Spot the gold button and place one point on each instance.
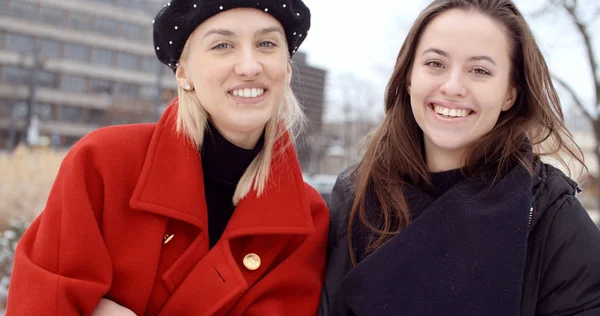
(252, 261)
(168, 238)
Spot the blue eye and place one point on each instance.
(222, 46)
(267, 44)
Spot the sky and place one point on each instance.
(357, 44)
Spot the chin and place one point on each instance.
(448, 144)
(249, 126)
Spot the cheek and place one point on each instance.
(275, 69)
(208, 72)
(422, 82)
(209, 77)
(490, 101)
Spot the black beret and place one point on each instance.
(179, 18)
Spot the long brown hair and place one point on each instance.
(394, 155)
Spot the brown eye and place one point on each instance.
(434, 64)
(480, 71)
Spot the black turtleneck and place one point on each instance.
(223, 165)
(444, 180)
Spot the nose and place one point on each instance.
(248, 65)
(454, 86)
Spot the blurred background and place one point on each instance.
(68, 67)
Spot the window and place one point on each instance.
(107, 26)
(102, 56)
(53, 16)
(148, 92)
(76, 52)
(150, 64)
(43, 111)
(3, 7)
(96, 117)
(73, 84)
(19, 109)
(15, 75)
(69, 141)
(80, 22)
(132, 31)
(105, 1)
(100, 86)
(126, 89)
(130, 4)
(5, 108)
(23, 10)
(19, 43)
(46, 79)
(49, 48)
(2, 39)
(121, 118)
(71, 113)
(127, 61)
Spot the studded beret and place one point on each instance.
(179, 18)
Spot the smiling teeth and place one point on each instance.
(450, 112)
(248, 92)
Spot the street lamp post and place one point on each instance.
(33, 82)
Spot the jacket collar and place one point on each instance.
(171, 184)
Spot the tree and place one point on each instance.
(581, 15)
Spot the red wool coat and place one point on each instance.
(120, 190)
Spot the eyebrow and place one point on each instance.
(224, 32)
(472, 58)
(228, 33)
(272, 29)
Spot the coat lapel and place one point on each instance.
(258, 224)
(171, 182)
(171, 185)
(282, 208)
(464, 255)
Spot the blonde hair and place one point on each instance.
(289, 119)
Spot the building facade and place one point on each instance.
(308, 83)
(80, 65)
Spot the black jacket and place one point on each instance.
(546, 261)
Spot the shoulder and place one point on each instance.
(111, 146)
(569, 271)
(340, 205)
(118, 136)
(550, 189)
(343, 192)
(347, 179)
(317, 204)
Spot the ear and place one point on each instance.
(182, 78)
(408, 87)
(511, 97)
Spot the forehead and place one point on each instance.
(239, 19)
(465, 32)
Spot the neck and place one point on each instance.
(439, 159)
(245, 140)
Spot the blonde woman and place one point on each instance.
(202, 213)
